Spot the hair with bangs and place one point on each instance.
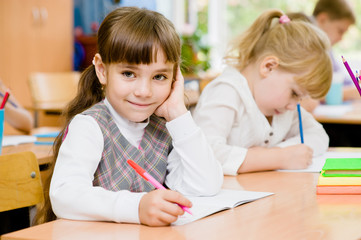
(135, 35)
(300, 47)
(127, 34)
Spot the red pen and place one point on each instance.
(5, 99)
(152, 180)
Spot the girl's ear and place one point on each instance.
(322, 18)
(100, 69)
(268, 64)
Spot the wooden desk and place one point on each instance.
(349, 113)
(44, 154)
(342, 123)
(293, 212)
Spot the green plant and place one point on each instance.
(195, 55)
(195, 49)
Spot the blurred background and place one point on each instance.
(60, 36)
(206, 26)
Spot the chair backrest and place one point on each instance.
(53, 88)
(20, 181)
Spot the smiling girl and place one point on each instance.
(249, 112)
(130, 105)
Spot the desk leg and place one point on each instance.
(36, 119)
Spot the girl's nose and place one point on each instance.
(292, 105)
(143, 88)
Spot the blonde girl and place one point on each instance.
(249, 112)
(130, 106)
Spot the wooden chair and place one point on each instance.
(20, 181)
(52, 91)
(20, 188)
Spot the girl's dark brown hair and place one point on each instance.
(127, 34)
(335, 9)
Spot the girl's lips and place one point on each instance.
(139, 104)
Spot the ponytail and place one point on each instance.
(245, 44)
(301, 48)
(89, 93)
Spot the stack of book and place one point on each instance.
(340, 176)
(46, 138)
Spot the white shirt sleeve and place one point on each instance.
(72, 193)
(192, 167)
(216, 115)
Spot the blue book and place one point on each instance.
(47, 135)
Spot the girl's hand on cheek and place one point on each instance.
(173, 106)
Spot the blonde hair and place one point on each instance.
(300, 47)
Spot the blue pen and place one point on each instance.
(357, 76)
(300, 121)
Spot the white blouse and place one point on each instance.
(192, 169)
(232, 122)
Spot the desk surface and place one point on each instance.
(42, 152)
(293, 212)
(348, 113)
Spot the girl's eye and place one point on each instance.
(128, 74)
(294, 94)
(160, 77)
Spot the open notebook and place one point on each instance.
(17, 139)
(225, 199)
(40, 139)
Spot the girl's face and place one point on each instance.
(335, 29)
(277, 92)
(136, 90)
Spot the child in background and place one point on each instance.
(334, 17)
(130, 105)
(249, 112)
(15, 114)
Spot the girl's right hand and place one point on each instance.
(173, 106)
(159, 207)
(297, 157)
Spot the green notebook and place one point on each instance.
(342, 167)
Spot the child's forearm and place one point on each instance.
(19, 118)
(262, 159)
